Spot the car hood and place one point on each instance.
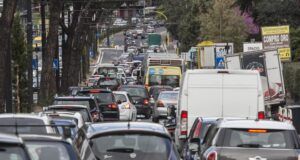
(233, 153)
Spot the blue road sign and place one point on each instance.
(34, 64)
(55, 64)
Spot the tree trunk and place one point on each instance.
(6, 21)
(48, 84)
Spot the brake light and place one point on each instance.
(94, 91)
(146, 101)
(160, 104)
(212, 156)
(184, 122)
(112, 106)
(261, 115)
(257, 131)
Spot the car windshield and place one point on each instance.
(169, 80)
(11, 152)
(260, 138)
(47, 150)
(131, 146)
(168, 96)
(107, 82)
(25, 125)
(83, 111)
(121, 97)
(156, 91)
(136, 92)
(107, 70)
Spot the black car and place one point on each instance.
(125, 141)
(12, 146)
(49, 147)
(141, 98)
(106, 102)
(89, 101)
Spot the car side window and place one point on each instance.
(210, 135)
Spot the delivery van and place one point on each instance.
(218, 93)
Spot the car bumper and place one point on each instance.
(143, 110)
(125, 114)
(111, 115)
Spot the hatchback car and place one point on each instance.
(49, 147)
(126, 106)
(126, 141)
(141, 98)
(248, 139)
(165, 100)
(12, 148)
(106, 102)
(26, 124)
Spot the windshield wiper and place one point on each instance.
(121, 150)
(249, 145)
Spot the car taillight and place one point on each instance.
(127, 106)
(160, 104)
(212, 156)
(146, 101)
(261, 115)
(112, 106)
(184, 122)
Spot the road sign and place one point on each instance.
(248, 46)
(55, 64)
(277, 37)
(34, 64)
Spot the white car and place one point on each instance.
(126, 106)
(92, 81)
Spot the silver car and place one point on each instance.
(165, 99)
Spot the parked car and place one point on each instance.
(126, 106)
(198, 131)
(26, 124)
(46, 147)
(12, 146)
(248, 139)
(218, 93)
(125, 140)
(66, 103)
(106, 102)
(165, 100)
(141, 98)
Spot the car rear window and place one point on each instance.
(85, 102)
(84, 112)
(107, 82)
(259, 138)
(168, 96)
(24, 125)
(11, 152)
(133, 146)
(135, 91)
(120, 97)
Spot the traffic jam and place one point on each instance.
(148, 104)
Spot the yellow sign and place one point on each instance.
(205, 44)
(275, 30)
(285, 54)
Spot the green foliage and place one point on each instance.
(295, 43)
(291, 73)
(222, 23)
(19, 58)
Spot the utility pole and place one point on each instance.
(43, 17)
(8, 85)
(29, 55)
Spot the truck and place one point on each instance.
(217, 93)
(154, 39)
(268, 63)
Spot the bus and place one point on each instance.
(163, 75)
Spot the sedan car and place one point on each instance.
(125, 141)
(49, 147)
(141, 98)
(248, 139)
(12, 147)
(126, 106)
(165, 100)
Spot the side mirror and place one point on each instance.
(194, 145)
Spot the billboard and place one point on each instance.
(277, 37)
(220, 52)
(255, 46)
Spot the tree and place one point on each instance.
(9, 7)
(19, 65)
(48, 84)
(223, 23)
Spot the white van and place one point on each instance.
(217, 93)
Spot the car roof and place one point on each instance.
(169, 92)
(93, 90)
(132, 86)
(74, 97)
(24, 115)
(10, 139)
(48, 137)
(66, 105)
(256, 124)
(120, 92)
(122, 127)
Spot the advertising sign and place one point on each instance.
(277, 37)
(221, 50)
(248, 46)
